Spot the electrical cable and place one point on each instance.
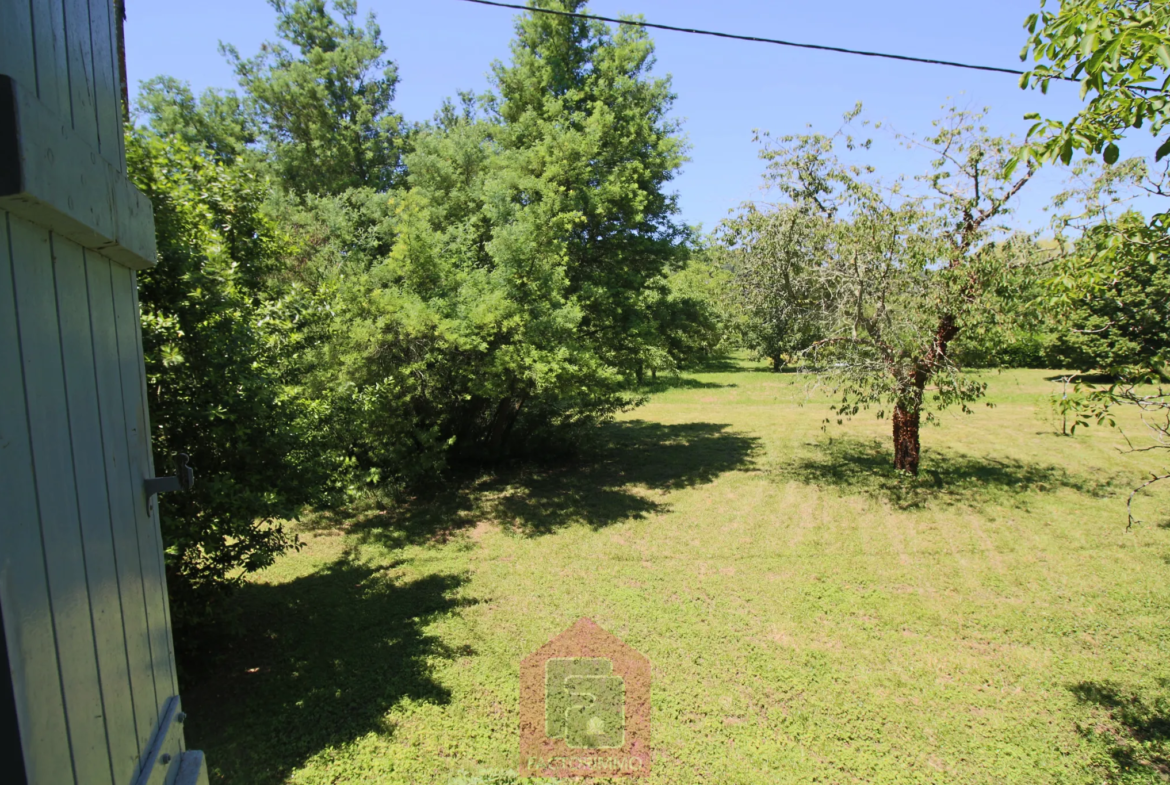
(733, 36)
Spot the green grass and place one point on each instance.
(810, 616)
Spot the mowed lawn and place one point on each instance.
(810, 617)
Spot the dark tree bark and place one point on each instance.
(906, 439)
(499, 426)
(908, 410)
(506, 415)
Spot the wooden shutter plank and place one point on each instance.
(24, 587)
(162, 564)
(123, 490)
(79, 56)
(149, 538)
(16, 43)
(56, 493)
(52, 64)
(89, 467)
(107, 94)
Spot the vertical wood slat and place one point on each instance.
(149, 538)
(79, 57)
(122, 489)
(52, 61)
(24, 587)
(89, 468)
(156, 524)
(16, 49)
(108, 95)
(48, 423)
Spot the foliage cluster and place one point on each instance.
(1112, 289)
(347, 303)
(872, 282)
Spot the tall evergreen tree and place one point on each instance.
(322, 95)
(589, 128)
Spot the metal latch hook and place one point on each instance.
(183, 479)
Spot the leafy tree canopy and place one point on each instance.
(1120, 52)
(322, 97)
(875, 281)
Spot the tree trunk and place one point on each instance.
(908, 409)
(499, 427)
(506, 415)
(777, 363)
(906, 442)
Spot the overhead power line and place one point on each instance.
(757, 39)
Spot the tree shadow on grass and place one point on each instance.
(867, 467)
(640, 461)
(321, 660)
(1134, 733)
(1088, 378)
(723, 363)
(664, 383)
(622, 476)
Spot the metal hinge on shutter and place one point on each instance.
(166, 762)
(183, 480)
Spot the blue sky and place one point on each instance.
(725, 88)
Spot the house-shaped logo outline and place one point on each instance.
(541, 755)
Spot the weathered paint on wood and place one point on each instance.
(149, 538)
(107, 83)
(86, 623)
(79, 57)
(122, 489)
(162, 759)
(90, 475)
(52, 63)
(192, 771)
(56, 493)
(102, 614)
(64, 185)
(16, 35)
(64, 51)
(24, 587)
(153, 472)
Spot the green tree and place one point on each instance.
(217, 121)
(1120, 52)
(593, 148)
(1013, 332)
(694, 316)
(219, 347)
(890, 280)
(1111, 289)
(322, 99)
(453, 334)
(1123, 326)
(775, 258)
